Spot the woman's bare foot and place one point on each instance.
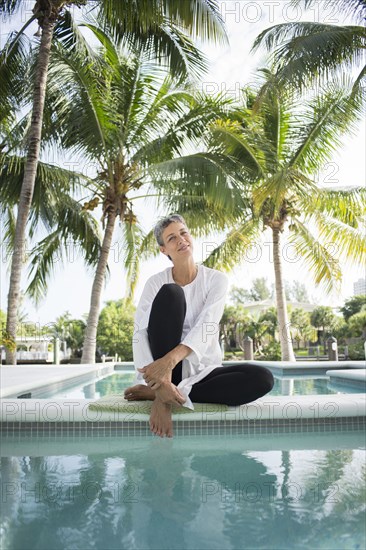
(161, 419)
(139, 393)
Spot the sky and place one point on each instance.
(231, 67)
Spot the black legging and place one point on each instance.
(233, 385)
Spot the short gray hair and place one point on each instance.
(163, 223)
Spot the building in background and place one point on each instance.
(359, 287)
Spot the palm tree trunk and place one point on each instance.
(90, 339)
(287, 352)
(30, 170)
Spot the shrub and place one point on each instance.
(271, 352)
(356, 352)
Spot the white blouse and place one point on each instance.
(205, 297)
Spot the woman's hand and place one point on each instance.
(157, 372)
(169, 394)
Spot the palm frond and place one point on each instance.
(320, 128)
(13, 76)
(235, 246)
(345, 241)
(201, 19)
(51, 181)
(148, 246)
(83, 108)
(8, 222)
(354, 8)
(201, 173)
(171, 48)
(228, 137)
(133, 237)
(75, 233)
(348, 204)
(304, 50)
(318, 258)
(281, 188)
(42, 265)
(68, 33)
(10, 7)
(184, 117)
(192, 203)
(110, 49)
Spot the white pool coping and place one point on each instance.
(25, 378)
(266, 408)
(358, 375)
(16, 380)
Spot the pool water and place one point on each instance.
(182, 494)
(118, 382)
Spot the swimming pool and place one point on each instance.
(117, 382)
(283, 472)
(270, 492)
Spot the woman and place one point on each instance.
(176, 344)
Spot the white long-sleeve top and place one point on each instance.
(205, 297)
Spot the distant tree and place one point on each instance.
(116, 328)
(257, 330)
(234, 323)
(300, 325)
(240, 295)
(353, 305)
(259, 291)
(357, 323)
(287, 288)
(341, 331)
(296, 292)
(270, 320)
(71, 331)
(299, 292)
(324, 320)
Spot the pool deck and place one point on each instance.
(18, 380)
(20, 410)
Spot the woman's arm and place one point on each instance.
(161, 370)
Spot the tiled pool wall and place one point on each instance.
(191, 428)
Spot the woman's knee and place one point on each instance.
(170, 298)
(267, 379)
(171, 291)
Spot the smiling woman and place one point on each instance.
(176, 348)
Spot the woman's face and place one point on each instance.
(177, 241)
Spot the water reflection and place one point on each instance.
(166, 494)
(301, 386)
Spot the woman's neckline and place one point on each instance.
(193, 280)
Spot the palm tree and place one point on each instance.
(149, 24)
(304, 51)
(124, 115)
(272, 146)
